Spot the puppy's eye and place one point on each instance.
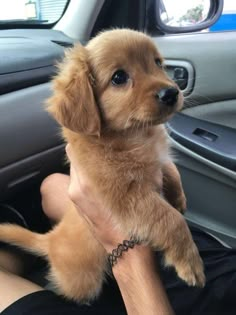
(159, 63)
(119, 77)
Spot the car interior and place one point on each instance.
(203, 134)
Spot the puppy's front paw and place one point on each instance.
(193, 273)
(188, 265)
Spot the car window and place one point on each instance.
(31, 11)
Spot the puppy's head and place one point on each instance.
(116, 82)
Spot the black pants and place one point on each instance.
(218, 297)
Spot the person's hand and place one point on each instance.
(91, 205)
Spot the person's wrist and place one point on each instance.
(123, 247)
(109, 238)
(138, 258)
(110, 245)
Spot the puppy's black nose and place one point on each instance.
(168, 96)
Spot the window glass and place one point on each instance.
(31, 11)
(227, 21)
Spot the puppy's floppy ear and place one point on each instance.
(73, 104)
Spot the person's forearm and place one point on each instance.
(140, 285)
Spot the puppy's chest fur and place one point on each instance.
(119, 163)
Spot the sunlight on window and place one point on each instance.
(12, 9)
(44, 11)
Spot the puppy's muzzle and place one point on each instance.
(168, 96)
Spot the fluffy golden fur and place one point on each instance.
(118, 135)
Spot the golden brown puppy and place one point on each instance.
(112, 98)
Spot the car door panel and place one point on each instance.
(215, 142)
(222, 113)
(30, 139)
(25, 126)
(212, 56)
(210, 186)
(210, 191)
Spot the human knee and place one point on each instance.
(49, 182)
(48, 186)
(54, 195)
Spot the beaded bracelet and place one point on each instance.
(117, 252)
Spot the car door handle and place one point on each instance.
(182, 73)
(215, 142)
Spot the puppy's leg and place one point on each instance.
(172, 187)
(171, 234)
(78, 261)
(163, 228)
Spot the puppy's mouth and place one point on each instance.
(148, 122)
(149, 119)
(165, 112)
(162, 115)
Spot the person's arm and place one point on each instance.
(135, 272)
(140, 284)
